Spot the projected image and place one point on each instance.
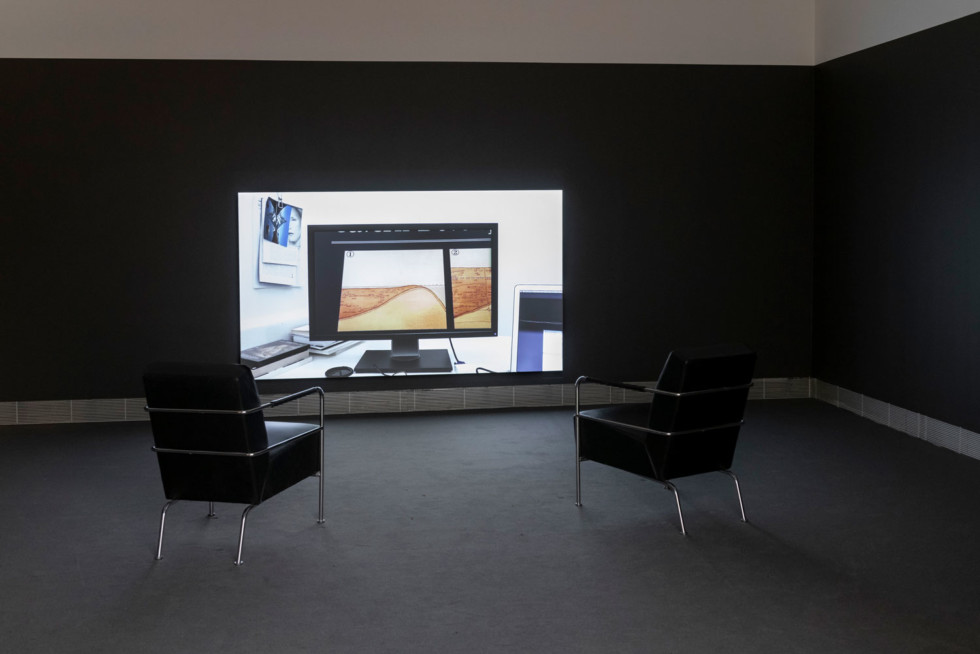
(472, 281)
(384, 290)
(385, 283)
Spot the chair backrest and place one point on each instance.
(207, 386)
(725, 370)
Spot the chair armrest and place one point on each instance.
(244, 412)
(633, 387)
(584, 379)
(299, 394)
(293, 396)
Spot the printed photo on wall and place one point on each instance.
(279, 247)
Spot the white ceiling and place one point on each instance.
(778, 32)
(845, 26)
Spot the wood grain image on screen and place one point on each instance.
(402, 307)
(472, 296)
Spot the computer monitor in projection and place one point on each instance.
(402, 282)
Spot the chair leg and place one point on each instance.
(677, 498)
(578, 468)
(320, 519)
(738, 492)
(163, 519)
(211, 513)
(241, 534)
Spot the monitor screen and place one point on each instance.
(399, 282)
(402, 282)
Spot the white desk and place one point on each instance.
(492, 354)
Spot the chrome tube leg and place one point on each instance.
(163, 519)
(578, 441)
(241, 534)
(677, 498)
(578, 468)
(211, 513)
(738, 491)
(320, 519)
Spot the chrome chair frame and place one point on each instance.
(653, 391)
(262, 407)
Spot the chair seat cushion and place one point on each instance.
(630, 414)
(279, 431)
(622, 447)
(293, 460)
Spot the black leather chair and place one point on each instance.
(214, 444)
(689, 427)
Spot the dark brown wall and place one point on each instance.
(897, 300)
(688, 199)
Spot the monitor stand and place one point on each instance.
(404, 356)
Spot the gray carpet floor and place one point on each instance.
(458, 533)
